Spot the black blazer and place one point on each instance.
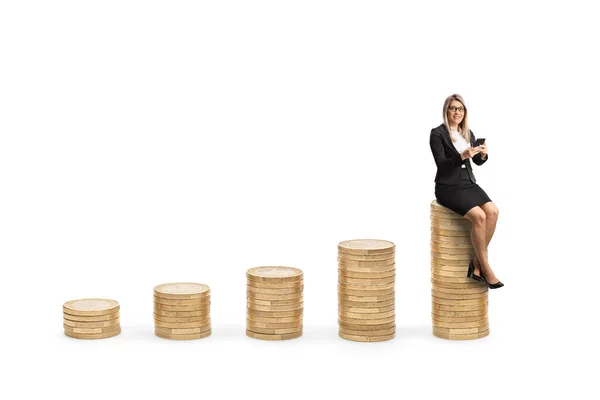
(447, 158)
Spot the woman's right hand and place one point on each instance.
(470, 152)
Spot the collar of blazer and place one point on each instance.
(446, 136)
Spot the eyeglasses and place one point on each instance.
(459, 109)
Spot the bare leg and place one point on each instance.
(478, 237)
(491, 217)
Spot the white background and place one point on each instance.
(145, 142)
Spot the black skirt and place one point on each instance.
(461, 198)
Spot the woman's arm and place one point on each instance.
(437, 149)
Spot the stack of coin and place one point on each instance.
(91, 318)
(459, 304)
(182, 311)
(366, 294)
(275, 303)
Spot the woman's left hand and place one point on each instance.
(483, 150)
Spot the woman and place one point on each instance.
(453, 146)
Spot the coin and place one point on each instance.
(364, 264)
(274, 274)
(291, 307)
(365, 310)
(453, 250)
(364, 292)
(297, 290)
(194, 336)
(182, 314)
(356, 338)
(99, 324)
(460, 331)
(366, 327)
(197, 319)
(449, 245)
(467, 290)
(179, 308)
(367, 304)
(251, 324)
(452, 296)
(275, 314)
(279, 331)
(271, 320)
(366, 246)
(255, 335)
(448, 307)
(366, 275)
(443, 256)
(459, 319)
(96, 318)
(94, 336)
(381, 332)
(262, 296)
(481, 300)
(91, 330)
(181, 290)
(187, 302)
(380, 315)
(452, 227)
(459, 324)
(473, 284)
(90, 307)
(202, 326)
(362, 281)
(390, 257)
(369, 299)
(357, 321)
(478, 335)
(276, 285)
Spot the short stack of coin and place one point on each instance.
(91, 318)
(459, 304)
(182, 311)
(275, 303)
(366, 294)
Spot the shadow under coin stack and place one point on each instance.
(275, 303)
(459, 304)
(91, 318)
(366, 294)
(182, 311)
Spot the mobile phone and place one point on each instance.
(479, 142)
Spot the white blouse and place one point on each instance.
(460, 144)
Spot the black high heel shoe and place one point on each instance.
(496, 285)
(471, 272)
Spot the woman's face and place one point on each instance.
(456, 112)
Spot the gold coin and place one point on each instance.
(460, 331)
(440, 220)
(444, 295)
(264, 325)
(452, 279)
(89, 331)
(274, 314)
(276, 285)
(262, 296)
(368, 299)
(438, 214)
(193, 336)
(356, 338)
(100, 324)
(451, 240)
(460, 325)
(381, 332)
(462, 337)
(449, 232)
(449, 268)
(96, 318)
(274, 274)
(453, 250)
(364, 327)
(183, 302)
(90, 307)
(279, 331)
(460, 314)
(182, 314)
(459, 319)
(472, 290)
(364, 264)
(468, 307)
(356, 286)
(438, 262)
(179, 331)
(357, 321)
(179, 308)
(366, 246)
(443, 256)
(94, 336)
(367, 269)
(182, 290)
(362, 304)
(201, 326)
(197, 319)
(367, 275)
(364, 292)
(296, 290)
(463, 227)
(291, 307)
(270, 320)
(363, 316)
(453, 285)
(454, 302)
(260, 302)
(261, 336)
(390, 257)
(464, 247)
(362, 281)
(365, 310)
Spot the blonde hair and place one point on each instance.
(464, 124)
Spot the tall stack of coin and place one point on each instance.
(91, 318)
(275, 303)
(459, 304)
(366, 294)
(182, 311)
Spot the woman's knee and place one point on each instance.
(491, 211)
(476, 215)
